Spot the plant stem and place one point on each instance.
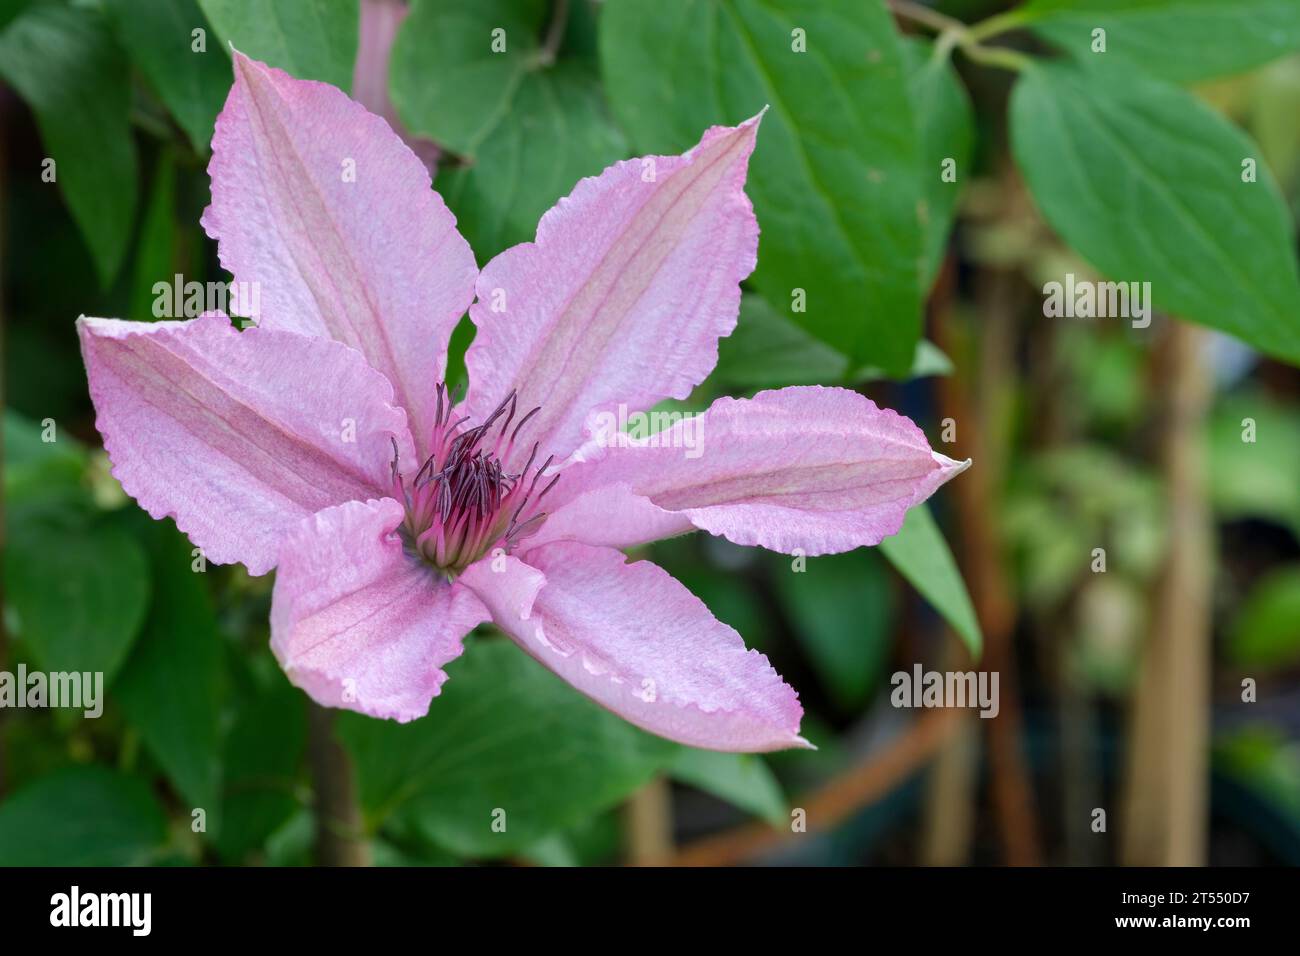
(340, 830)
(554, 33)
(995, 56)
(648, 824)
(839, 799)
(997, 25)
(1166, 798)
(954, 33)
(952, 782)
(927, 16)
(979, 395)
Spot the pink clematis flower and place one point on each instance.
(322, 444)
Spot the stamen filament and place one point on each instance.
(461, 503)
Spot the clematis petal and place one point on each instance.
(822, 470)
(636, 641)
(614, 516)
(633, 278)
(356, 622)
(238, 435)
(380, 21)
(321, 205)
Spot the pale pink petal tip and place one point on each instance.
(318, 203)
(948, 469)
(237, 435)
(944, 471)
(814, 469)
(622, 297)
(636, 641)
(952, 467)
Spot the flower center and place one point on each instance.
(462, 503)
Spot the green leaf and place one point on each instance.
(193, 84)
(920, 554)
(834, 177)
(1272, 102)
(169, 686)
(734, 599)
(929, 360)
(740, 779)
(946, 121)
(596, 841)
(261, 759)
(446, 81)
(383, 853)
(1263, 758)
(556, 133)
(1179, 40)
(553, 851)
(156, 246)
(504, 735)
(1266, 632)
(81, 816)
(529, 130)
(32, 466)
(1145, 182)
(9, 10)
(839, 606)
(1254, 459)
(77, 595)
(65, 65)
(769, 350)
(308, 39)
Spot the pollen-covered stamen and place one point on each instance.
(461, 503)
